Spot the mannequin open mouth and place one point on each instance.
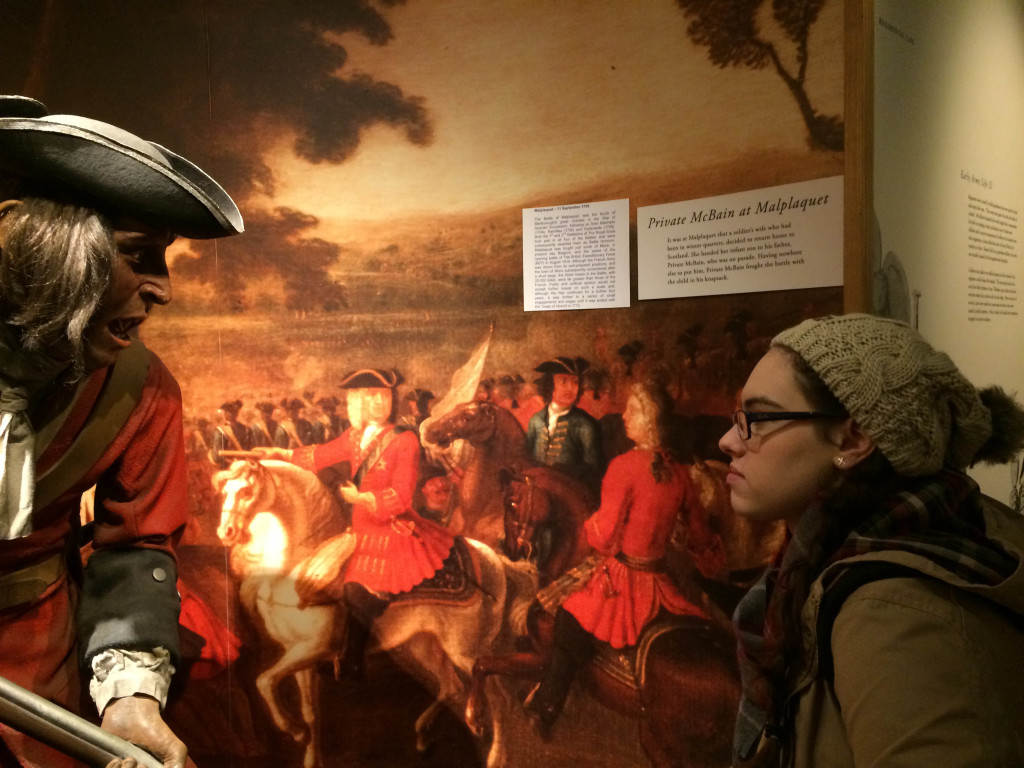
(125, 329)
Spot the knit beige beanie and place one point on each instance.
(910, 399)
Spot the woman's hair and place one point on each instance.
(862, 490)
(55, 267)
(812, 387)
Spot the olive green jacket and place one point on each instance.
(928, 672)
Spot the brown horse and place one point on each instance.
(543, 521)
(493, 440)
(681, 683)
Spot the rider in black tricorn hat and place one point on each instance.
(561, 435)
(87, 211)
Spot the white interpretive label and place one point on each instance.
(576, 256)
(784, 237)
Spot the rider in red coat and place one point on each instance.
(643, 493)
(396, 549)
(631, 528)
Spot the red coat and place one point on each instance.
(141, 501)
(396, 549)
(636, 518)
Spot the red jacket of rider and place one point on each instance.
(632, 528)
(396, 549)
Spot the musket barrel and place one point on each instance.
(63, 730)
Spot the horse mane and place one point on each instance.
(233, 471)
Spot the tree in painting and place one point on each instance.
(732, 32)
(287, 86)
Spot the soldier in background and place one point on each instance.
(266, 431)
(329, 424)
(231, 434)
(418, 401)
(560, 434)
(298, 429)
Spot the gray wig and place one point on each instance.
(54, 269)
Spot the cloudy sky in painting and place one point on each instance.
(399, 107)
(528, 96)
(323, 114)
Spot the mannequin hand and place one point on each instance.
(137, 719)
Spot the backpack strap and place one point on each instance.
(852, 578)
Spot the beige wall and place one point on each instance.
(949, 132)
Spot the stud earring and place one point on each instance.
(840, 461)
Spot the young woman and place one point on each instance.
(856, 432)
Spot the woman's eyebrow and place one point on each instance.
(761, 400)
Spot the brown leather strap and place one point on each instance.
(118, 399)
(27, 584)
(648, 564)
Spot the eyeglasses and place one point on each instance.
(745, 419)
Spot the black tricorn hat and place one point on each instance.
(420, 395)
(372, 378)
(112, 170)
(573, 366)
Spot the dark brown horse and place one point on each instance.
(681, 682)
(492, 442)
(543, 521)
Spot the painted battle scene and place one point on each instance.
(381, 154)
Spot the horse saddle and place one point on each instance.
(628, 665)
(457, 581)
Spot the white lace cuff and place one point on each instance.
(117, 673)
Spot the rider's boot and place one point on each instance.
(363, 608)
(357, 637)
(545, 702)
(573, 648)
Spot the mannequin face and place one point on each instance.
(138, 280)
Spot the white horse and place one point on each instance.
(275, 516)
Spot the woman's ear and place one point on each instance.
(853, 445)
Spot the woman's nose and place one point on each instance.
(730, 442)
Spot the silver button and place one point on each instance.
(160, 574)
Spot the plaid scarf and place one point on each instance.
(938, 518)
